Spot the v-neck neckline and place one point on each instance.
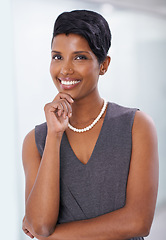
(97, 142)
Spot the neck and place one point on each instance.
(85, 110)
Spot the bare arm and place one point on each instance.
(135, 218)
(42, 205)
(42, 175)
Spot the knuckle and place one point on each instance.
(46, 107)
(60, 95)
(70, 108)
(60, 104)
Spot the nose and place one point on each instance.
(67, 69)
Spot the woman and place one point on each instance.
(92, 169)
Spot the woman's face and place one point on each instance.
(74, 67)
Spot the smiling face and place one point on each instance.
(74, 67)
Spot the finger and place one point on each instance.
(25, 231)
(55, 107)
(28, 233)
(61, 107)
(66, 108)
(69, 109)
(64, 96)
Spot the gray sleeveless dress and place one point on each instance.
(98, 187)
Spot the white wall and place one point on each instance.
(9, 210)
(136, 78)
(137, 75)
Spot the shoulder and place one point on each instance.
(29, 149)
(38, 134)
(144, 125)
(144, 138)
(34, 141)
(29, 138)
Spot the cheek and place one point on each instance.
(52, 69)
(92, 71)
(53, 74)
(89, 70)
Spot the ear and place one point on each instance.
(104, 65)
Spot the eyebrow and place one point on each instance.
(56, 51)
(76, 52)
(81, 52)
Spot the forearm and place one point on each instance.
(42, 206)
(118, 225)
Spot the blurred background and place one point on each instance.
(136, 78)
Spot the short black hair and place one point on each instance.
(91, 25)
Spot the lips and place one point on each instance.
(68, 83)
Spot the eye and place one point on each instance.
(56, 57)
(81, 57)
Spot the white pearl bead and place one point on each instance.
(91, 125)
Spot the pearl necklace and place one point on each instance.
(92, 124)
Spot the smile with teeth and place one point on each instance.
(69, 82)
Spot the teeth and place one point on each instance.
(69, 82)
